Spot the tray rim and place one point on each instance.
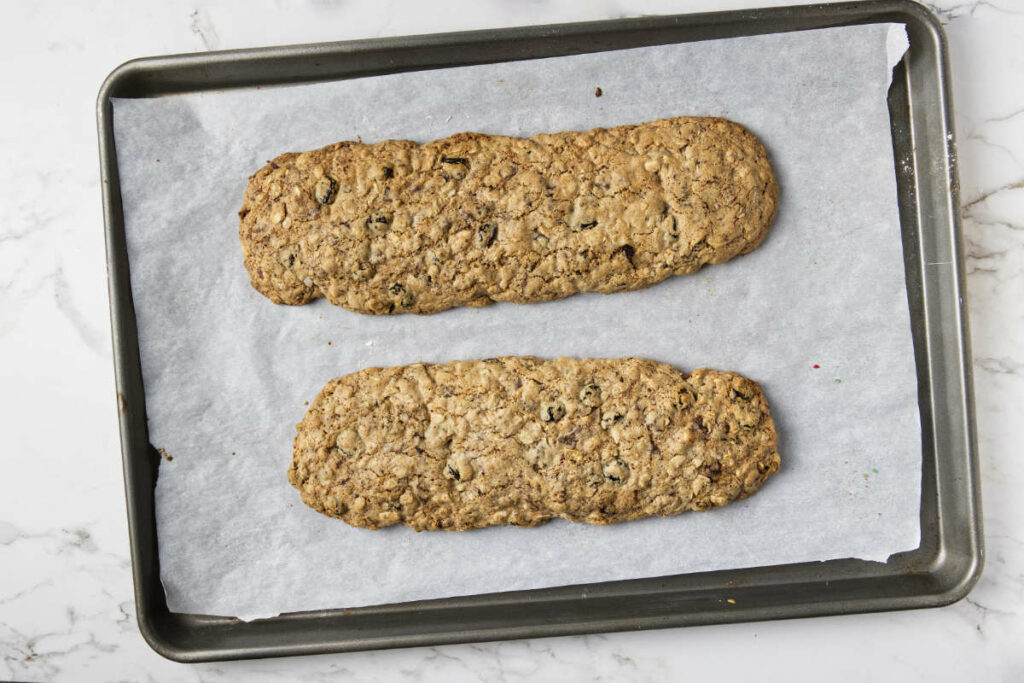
(942, 577)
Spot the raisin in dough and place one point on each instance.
(471, 219)
(520, 440)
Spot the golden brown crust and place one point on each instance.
(471, 219)
(519, 440)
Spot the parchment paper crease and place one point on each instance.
(818, 314)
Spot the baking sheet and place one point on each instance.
(817, 314)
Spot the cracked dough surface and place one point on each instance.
(472, 219)
(519, 440)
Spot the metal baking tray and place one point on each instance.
(941, 571)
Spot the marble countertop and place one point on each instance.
(66, 607)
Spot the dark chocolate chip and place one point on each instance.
(377, 223)
(454, 167)
(627, 251)
(616, 470)
(325, 189)
(487, 233)
(590, 395)
(699, 421)
(405, 298)
(454, 472)
(712, 470)
(552, 412)
(610, 418)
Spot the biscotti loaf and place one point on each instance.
(471, 219)
(519, 440)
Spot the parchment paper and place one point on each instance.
(818, 314)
